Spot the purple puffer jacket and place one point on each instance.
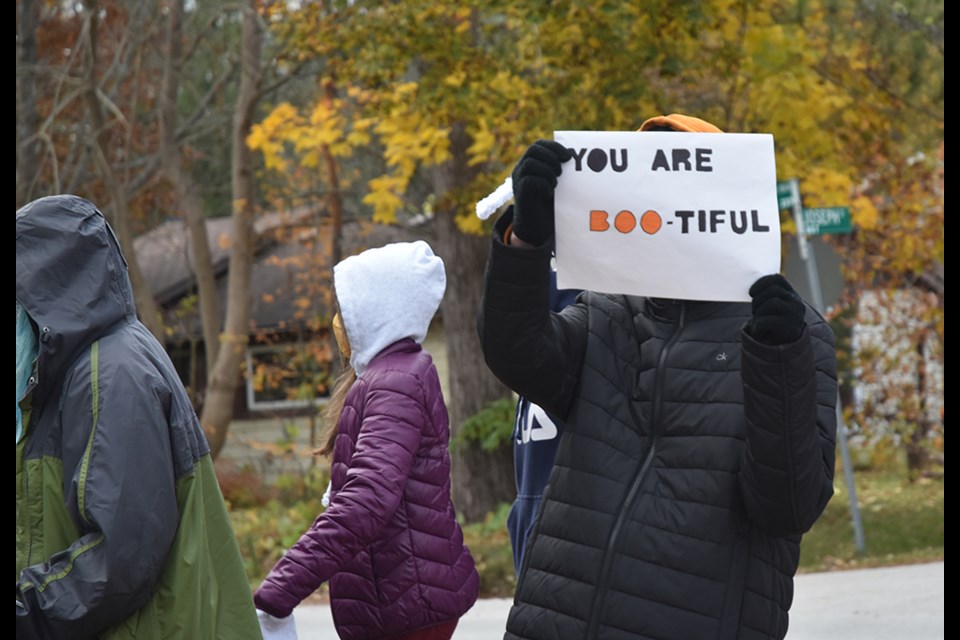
(389, 543)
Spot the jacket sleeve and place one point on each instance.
(389, 437)
(121, 495)
(790, 396)
(532, 350)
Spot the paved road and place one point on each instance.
(896, 603)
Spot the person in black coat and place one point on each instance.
(699, 440)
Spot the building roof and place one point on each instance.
(291, 274)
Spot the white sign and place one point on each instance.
(692, 216)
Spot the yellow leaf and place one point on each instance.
(455, 79)
(864, 213)
(470, 224)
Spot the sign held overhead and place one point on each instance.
(676, 215)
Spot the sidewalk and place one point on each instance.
(893, 603)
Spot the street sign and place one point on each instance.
(785, 194)
(827, 220)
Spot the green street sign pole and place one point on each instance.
(810, 261)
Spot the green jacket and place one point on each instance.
(121, 528)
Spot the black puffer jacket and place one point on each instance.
(694, 458)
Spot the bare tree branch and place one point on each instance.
(270, 88)
(212, 92)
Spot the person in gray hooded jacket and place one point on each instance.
(121, 528)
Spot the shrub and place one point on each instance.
(492, 426)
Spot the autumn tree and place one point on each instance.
(79, 129)
(449, 95)
(188, 192)
(102, 137)
(90, 110)
(876, 142)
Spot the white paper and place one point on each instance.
(714, 194)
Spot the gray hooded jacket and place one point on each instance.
(121, 527)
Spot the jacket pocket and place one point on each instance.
(733, 602)
(374, 575)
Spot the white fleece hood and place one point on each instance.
(388, 294)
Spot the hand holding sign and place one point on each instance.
(778, 311)
(534, 181)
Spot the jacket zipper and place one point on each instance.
(627, 503)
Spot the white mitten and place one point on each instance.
(274, 628)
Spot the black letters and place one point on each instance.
(577, 157)
(681, 160)
(712, 220)
(681, 156)
(660, 161)
(716, 217)
(619, 168)
(740, 227)
(684, 220)
(756, 222)
(703, 160)
(597, 160)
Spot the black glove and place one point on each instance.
(534, 179)
(778, 311)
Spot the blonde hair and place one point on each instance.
(331, 413)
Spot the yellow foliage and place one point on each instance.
(483, 142)
(268, 136)
(455, 79)
(864, 213)
(820, 76)
(469, 223)
(384, 198)
(825, 187)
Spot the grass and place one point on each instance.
(489, 545)
(902, 522)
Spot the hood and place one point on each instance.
(388, 294)
(71, 279)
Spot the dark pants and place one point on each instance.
(439, 632)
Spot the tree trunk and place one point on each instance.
(331, 169)
(119, 212)
(481, 480)
(335, 210)
(188, 195)
(28, 119)
(225, 372)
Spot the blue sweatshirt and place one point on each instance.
(535, 437)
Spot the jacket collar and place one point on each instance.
(668, 309)
(406, 345)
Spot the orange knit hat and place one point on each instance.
(679, 122)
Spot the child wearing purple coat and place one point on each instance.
(389, 543)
